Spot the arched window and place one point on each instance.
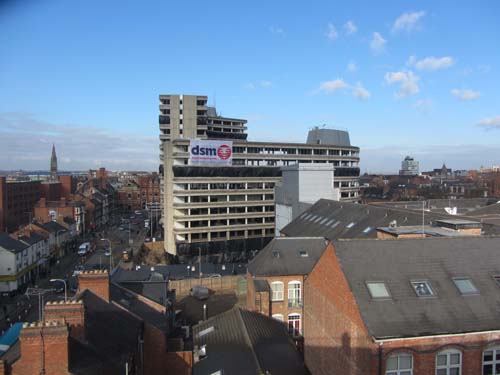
(399, 364)
(491, 361)
(294, 326)
(277, 291)
(449, 362)
(294, 294)
(278, 317)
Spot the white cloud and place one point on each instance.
(254, 85)
(423, 105)
(360, 92)
(331, 33)
(377, 44)
(329, 87)
(432, 63)
(78, 147)
(407, 21)
(466, 95)
(352, 67)
(350, 27)
(490, 123)
(407, 80)
(277, 31)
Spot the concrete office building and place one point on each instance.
(220, 207)
(409, 167)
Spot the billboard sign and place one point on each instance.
(210, 152)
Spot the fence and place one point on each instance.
(182, 287)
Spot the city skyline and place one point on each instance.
(406, 80)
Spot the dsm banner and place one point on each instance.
(208, 152)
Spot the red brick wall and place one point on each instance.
(281, 307)
(68, 186)
(257, 301)
(334, 334)
(73, 313)
(424, 351)
(43, 346)
(95, 281)
(179, 363)
(16, 202)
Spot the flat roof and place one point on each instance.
(428, 230)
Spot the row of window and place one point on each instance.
(278, 293)
(448, 362)
(423, 288)
(293, 323)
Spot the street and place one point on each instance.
(26, 308)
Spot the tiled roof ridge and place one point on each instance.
(248, 340)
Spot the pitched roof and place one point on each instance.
(288, 256)
(244, 342)
(51, 226)
(437, 260)
(10, 244)
(332, 220)
(33, 238)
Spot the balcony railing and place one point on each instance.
(295, 303)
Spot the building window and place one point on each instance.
(277, 290)
(491, 361)
(465, 285)
(422, 288)
(294, 294)
(278, 317)
(401, 364)
(378, 289)
(294, 324)
(449, 362)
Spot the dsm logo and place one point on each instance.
(222, 152)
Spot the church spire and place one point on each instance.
(53, 165)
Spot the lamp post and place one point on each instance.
(110, 254)
(65, 288)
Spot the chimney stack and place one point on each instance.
(95, 281)
(73, 313)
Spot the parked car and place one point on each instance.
(78, 270)
(107, 253)
(199, 292)
(58, 286)
(84, 249)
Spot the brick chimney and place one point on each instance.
(44, 349)
(95, 281)
(73, 313)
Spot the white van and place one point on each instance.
(84, 249)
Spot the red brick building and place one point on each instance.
(276, 276)
(16, 203)
(105, 329)
(140, 193)
(407, 307)
(45, 211)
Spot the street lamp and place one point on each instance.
(110, 254)
(65, 288)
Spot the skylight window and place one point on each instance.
(303, 253)
(206, 331)
(367, 229)
(350, 225)
(313, 217)
(378, 289)
(497, 279)
(325, 219)
(335, 224)
(330, 222)
(422, 288)
(465, 285)
(318, 219)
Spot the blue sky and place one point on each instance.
(408, 77)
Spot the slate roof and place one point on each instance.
(10, 244)
(332, 220)
(437, 260)
(282, 256)
(32, 239)
(51, 226)
(261, 285)
(112, 332)
(246, 343)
